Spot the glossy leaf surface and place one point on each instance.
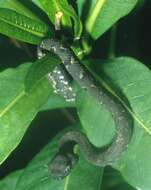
(100, 15)
(18, 108)
(38, 177)
(128, 77)
(21, 27)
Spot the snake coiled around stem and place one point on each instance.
(65, 159)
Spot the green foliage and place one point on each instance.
(25, 91)
(17, 107)
(102, 14)
(39, 70)
(18, 7)
(22, 27)
(124, 74)
(41, 178)
(10, 181)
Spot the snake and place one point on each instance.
(65, 159)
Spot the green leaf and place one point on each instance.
(89, 113)
(18, 109)
(39, 70)
(102, 14)
(36, 175)
(55, 102)
(134, 82)
(21, 27)
(132, 79)
(9, 182)
(19, 7)
(54, 6)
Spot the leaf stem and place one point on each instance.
(86, 46)
(112, 44)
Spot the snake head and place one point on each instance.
(61, 165)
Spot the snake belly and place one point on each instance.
(64, 161)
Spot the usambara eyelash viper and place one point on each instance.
(65, 159)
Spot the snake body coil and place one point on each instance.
(62, 163)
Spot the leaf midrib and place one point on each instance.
(12, 103)
(90, 22)
(134, 114)
(22, 28)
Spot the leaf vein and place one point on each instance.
(93, 16)
(11, 104)
(134, 114)
(23, 28)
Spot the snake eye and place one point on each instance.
(73, 158)
(61, 165)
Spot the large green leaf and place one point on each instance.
(23, 28)
(18, 108)
(39, 70)
(9, 182)
(36, 73)
(36, 175)
(89, 112)
(132, 79)
(102, 14)
(19, 7)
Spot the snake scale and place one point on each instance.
(62, 163)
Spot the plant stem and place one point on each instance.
(112, 44)
(86, 46)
